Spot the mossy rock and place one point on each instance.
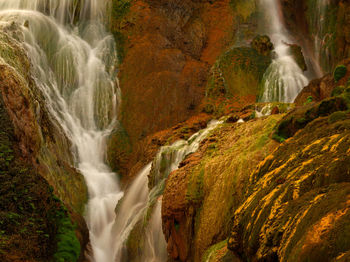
(338, 91)
(337, 116)
(296, 194)
(262, 44)
(34, 224)
(298, 56)
(237, 73)
(299, 117)
(118, 150)
(119, 10)
(339, 72)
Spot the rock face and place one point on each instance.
(298, 204)
(292, 205)
(39, 145)
(167, 50)
(176, 41)
(200, 196)
(321, 88)
(323, 28)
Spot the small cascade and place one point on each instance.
(138, 199)
(283, 80)
(156, 247)
(132, 208)
(264, 111)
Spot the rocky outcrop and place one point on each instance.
(178, 42)
(174, 39)
(321, 88)
(268, 209)
(41, 150)
(323, 28)
(235, 79)
(200, 196)
(298, 204)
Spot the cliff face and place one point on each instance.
(322, 27)
(298, 199)
(200, 197)
(169, 48)
(35, 157)
(176, 60)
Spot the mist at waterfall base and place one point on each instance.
(73, 60)
(284, 79)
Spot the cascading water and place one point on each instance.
(321, 37)
(138, 199)
(283, 80)
(73, 60)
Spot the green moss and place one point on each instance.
(243, 8)
(120, 9)
(339, 72)
(68, 245)
(338, 90)
(210, 253)
(120, 40)
(309, 100)
(337, 116)
(194, 193)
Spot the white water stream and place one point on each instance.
(138, 198)
(73, 60)
(322, 52)
(283, 80)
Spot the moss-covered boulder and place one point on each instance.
(262, 44)
(298, 204)
(236, 76)
(200, 197)
(299, 117)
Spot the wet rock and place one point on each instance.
(262, 44)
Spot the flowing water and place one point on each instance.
(73, 60)
(138, 199)
(321, 37)
(283, 80)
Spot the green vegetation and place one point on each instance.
(244, 8)
(338, 90)
(211, 252)
(68, 245)
(339, 72)
(337, 116)
(297, 119)
(309, 100)
(120, 9)
(33, 222)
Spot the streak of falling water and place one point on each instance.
(73, 60)
(283, 80)
(322, 51)
(155, 249)
(138, 199)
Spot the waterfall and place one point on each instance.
(73, 60)
(138, 199)
(322, 35)
(283, 80)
